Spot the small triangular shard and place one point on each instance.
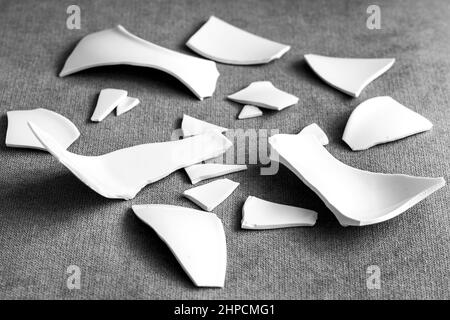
(348, 75)
(192, 126)
(126, 105)
(210, 195)
(108, 100)
(249, 111)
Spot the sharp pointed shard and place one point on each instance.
(380, 120)
(220, 41)
(264, 94)
(192, 126)
(108, 100)
(210, 195)
(19, 134)
(200, 172)
(261, 214)
(249, 111)
(196, 238)
(126, 105)
(317, 132)
(348, 75)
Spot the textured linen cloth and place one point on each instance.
(49, 220)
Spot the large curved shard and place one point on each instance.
(356, 197)
(19, 135)
(348, 75)
(223, 42)
(117, 46)
(123, 173)
(195, 237)
(380, 120)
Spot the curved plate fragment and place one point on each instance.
(349, 75)
(222, 42)
(195, 237)
(356, 197)
(203, 171)
(108, 100)
(264, 94)
(123, 173)
(249, 111)
(210, 195)
(126, 105)
(117, 46)
(192, 126)
(316, 131)
(380, 120)
(19, 134)
(260, 214)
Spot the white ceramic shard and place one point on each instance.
(349, 75)
(264, 94)
(261, 214)
(210, 195)
(19, 134)
(249, 111)
(126, 105)
(108, 100)
(380, 120)
(222, 42)
(200, 172)
(356, 197)
(117, 46)
(123, 173)
(316, 131)
(195, 237)
(192, 126)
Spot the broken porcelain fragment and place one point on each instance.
(19, 135)
(192, 126)
(316, 131)
(203, 171)
(108, 100)
(356, 197)
(123, 173)
(380, 120)
(195, 237)
(117, 46)
(264, 94)
(349, 75)
(223, 42)
(210, 195)
(261, 214)
(249, 111)
(126, 105)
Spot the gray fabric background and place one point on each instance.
(49, 220)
